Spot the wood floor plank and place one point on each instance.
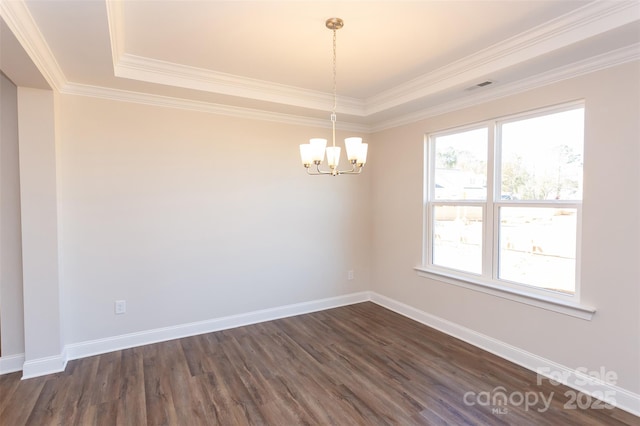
(158, 397)
(131, 408)
(9, 384)
(50, 401)
(354, 365)
(21, 402)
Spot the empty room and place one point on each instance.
(319, 212)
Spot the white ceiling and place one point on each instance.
(397, 60)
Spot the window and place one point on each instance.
(503, 202)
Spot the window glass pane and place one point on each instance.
(542, 157)
(461, 166)
(538, 247)
(457, 241)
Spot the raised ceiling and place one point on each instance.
(397, 60)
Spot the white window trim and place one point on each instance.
(542, 298)
(516, 295)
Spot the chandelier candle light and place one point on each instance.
(314, 151)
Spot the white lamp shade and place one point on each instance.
(362, 153)
(317, 148)
(333, 156)
(306, 154)
(352, 145)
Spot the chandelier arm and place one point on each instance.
(354, 171)
(317, 171)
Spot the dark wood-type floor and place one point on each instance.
(359, 364)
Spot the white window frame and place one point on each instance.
(488, 281)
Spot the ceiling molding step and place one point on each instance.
(607, 60)
(21, 23)
(161, 72)
(167, 73)
(115, 23)
(590, 20)
(207, 107)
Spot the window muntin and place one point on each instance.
(503, 201)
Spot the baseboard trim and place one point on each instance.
(622, 398)
(11, 363)
(43, 366)
(125, 341)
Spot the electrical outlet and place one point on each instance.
(350, 275)
(120, 307)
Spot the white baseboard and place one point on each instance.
(110, 344)
(43, 366)
(11, 363)
(622, 398)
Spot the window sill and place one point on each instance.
(578, 311)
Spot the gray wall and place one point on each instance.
(610, 270)
(11, 303)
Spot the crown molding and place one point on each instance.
(592, 19)
(19, 20)
(587, 21)
(597, 63)
(167, 73)
(115, 23)
(207, 107)
(607, 60)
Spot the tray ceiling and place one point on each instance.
(396, 60)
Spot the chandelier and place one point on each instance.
(313, 153)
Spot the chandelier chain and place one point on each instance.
(334, 73)
(335, 89)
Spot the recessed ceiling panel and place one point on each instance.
(381, 45)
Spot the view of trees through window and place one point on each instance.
(542, 157)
